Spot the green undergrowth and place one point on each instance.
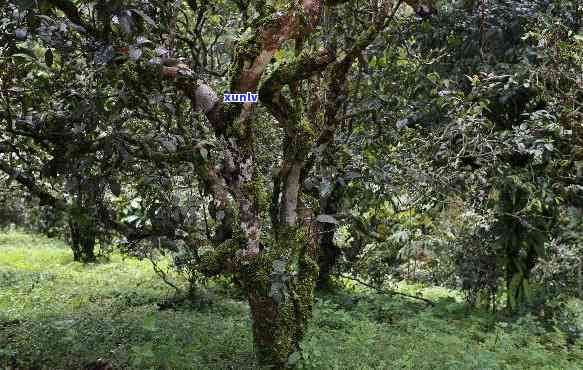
(59, 314)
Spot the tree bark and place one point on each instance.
(327, 257)
(281, 302)
(328, 250)
(82, 241)
(83, 227)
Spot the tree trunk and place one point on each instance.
(328, 250)
(74, 230)
(512, 295)
(278, 327)
(327, 257)
(88, 244)
(281, 302)
(82, 241)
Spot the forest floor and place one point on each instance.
(59, 314)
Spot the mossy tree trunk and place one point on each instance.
(82, 241)
(82, 224)
(281, 295)
(279, 282)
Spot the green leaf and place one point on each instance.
(24, 56)
(215, 19)
(115, 188)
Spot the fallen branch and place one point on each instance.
(384, 291)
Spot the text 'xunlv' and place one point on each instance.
(240, 98)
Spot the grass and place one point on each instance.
(59, 314)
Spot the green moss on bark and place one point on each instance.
(255, 189)
(280, 324)
(246, 51)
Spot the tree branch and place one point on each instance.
(71, 12)
(29, 182)
(384, 291)
(302, 68)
